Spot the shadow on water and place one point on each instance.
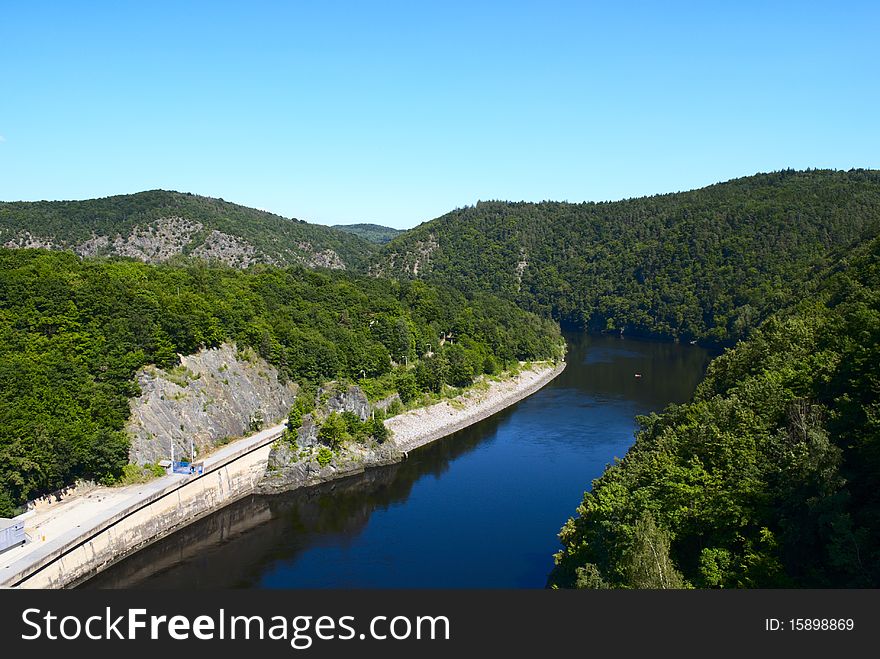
(231, 547)
(480, 508)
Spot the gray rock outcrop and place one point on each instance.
(168, 237)
(231, 250)
(292, 464)
(291, 467)
(351, 399)
(158, 241)
(210, 398)
(306, 434)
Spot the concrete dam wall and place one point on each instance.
(151, 520)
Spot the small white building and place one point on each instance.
(11, 532)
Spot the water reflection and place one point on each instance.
(230, 548)
(480, 508)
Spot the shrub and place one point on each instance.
(257, 421)
(325, 456)
(407, 386)
(333, 431)
(377, 430)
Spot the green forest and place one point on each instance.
(276, 239)
(375, 233)
(768, 478)
(702, 265)
(73, 332)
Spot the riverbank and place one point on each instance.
(86, 533)
(409, 430)
(424, 425)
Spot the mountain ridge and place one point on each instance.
(157, 225)
(704, 264)
(375, 233)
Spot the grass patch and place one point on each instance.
(133, 474)
(379, 387)
(180, 375)
(246, 354)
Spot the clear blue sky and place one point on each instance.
(396, 112)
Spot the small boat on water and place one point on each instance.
(638, 375)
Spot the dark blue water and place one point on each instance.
(478, 509)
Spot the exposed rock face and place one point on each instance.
(172, 236)
(158, 241)
(289, 467)
(521, 266)
(387, 402)
(94, 246)
(212, 396)
(351, 399)
(295, 464)
(231, 250)
(422, 256)
(325, 258)
(26, 240)
(416, 261)
(306, 434)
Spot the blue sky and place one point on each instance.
(397, 112)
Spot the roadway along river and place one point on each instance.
(478, 509)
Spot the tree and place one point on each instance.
(407, 386)
(460, 371)
(647, 563)
(377, 430)
(404, 341)
(333, 431)
(257, 421)
(75, 332)
(431, 373)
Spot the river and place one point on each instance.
(478, 509)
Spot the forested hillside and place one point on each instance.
(158, 225)
(375, 233)
(73, 332)
(769, 477)
(705, 264)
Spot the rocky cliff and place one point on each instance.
(168, 237)
(158, 225)
(211, 397)
(294, 460)
(291, 467)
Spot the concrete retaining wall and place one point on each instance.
(146, 523)
(235, 473)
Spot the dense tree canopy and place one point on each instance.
(705, 264)
(769, 476)
(375, 233)
(276, 239)
(73, 332)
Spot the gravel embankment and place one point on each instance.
(421, 426)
